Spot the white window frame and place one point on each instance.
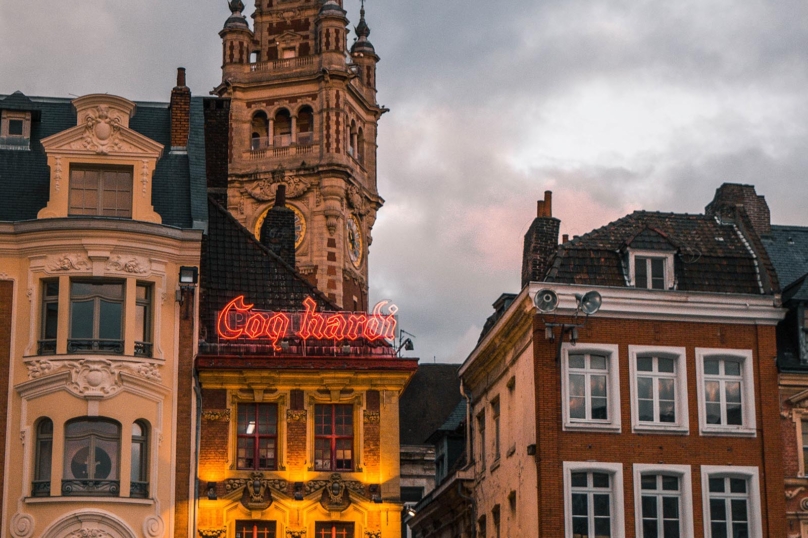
(752, 477)
(747, 429)
(659, 254)
(613, 387)
(617, 505)
(682, 424)
(686, 489)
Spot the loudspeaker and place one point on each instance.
(589, 303)
(546, 300)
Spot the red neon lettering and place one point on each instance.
(312, 323)
(237, 308)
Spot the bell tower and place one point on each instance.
(303, 114)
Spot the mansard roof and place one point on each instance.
(709, 255)
(431, 397)
(788, 249)
(178, 183)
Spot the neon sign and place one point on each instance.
(238, 320)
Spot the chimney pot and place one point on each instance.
(565, 238)
(180, 77)
(548, 203)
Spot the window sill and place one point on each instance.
(728, 432)
(673, 429)
(592, 426)
(88, 499)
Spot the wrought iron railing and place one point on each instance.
(40, 488)
(46, 347)
(139, 490)
(143, 349)
(95, 346)
(110, 488)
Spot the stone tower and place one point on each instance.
(303, 113)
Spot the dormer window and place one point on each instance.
(652, 270)
(101, 191)
(15, 130)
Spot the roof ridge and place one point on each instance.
(251, 238)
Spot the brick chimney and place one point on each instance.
(730, 196)
(180, 112)
(278, 229)
(541, 241)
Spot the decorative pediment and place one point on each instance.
(800, 399)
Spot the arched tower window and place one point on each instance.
(140, 460)
(352, 139)
(283, 128)
(259, 137)
(305, 126)
(44, 457)
(360, 147)
(92, 457)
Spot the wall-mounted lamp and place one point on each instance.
(189, 276)
(212, 491)
(405, 344)
(298, 491)
(410, 511)
(375, 494)
(546, 301)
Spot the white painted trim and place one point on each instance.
(667, 256)
(613, 396)
(747, 396)
(618, 510)
(682, 424)
(669, 305)
(751, 474)
(684, 473)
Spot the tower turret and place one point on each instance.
(236, 40)
(331, 25)
(363, 53)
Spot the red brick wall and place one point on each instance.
(185, 421)
(372, 437)
(6, 297)
(763, 451)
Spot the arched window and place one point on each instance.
(360, 146)
(44, 457)
(352, 139)
(305, 126)
(140, 463)
(283, 128)
(259, 129)
(92, 457)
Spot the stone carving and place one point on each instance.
(356, 201)
(373, 534)
(4, 276)
(94, 377)
(296, 415)
(336, 478)
(153, 527)
(132, 265)
(296, 533)
(102, 131)
(90, 533)
(144, 176)
(804, 504)
(211, 533)
(57, 174)
(216, 414)
(69, 262)
(22, 525)
(264, 190)
(791, 493)
(256, 495)
(372, 417)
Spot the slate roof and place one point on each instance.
(432, 395)
(25, 176)
(235, 263)
(788, 249)
(454, 421)
(710, 256)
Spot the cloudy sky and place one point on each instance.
(614, 105)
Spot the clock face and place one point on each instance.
(354, 240)
(300, 224)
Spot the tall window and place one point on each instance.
(282, 128)
(92, 450)
(661, 506)
(588, 387)
(143, 340)
(257, 436)
(649, 273)
(333, 437)
(481, 429)
(96, 312)
(50, 317)
(101, 191)
(592, 504)
(804, 425)
(305, 126)
(495, 414)
(729, 507)
(44, 457)
(656, 389)
(328, 529)
(255, 529)
(139, 485)
(722, 391)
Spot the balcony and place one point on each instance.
(91, 487)
(282, 146)
(280, 65)
(95, 346)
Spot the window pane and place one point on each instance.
(650, 528)
(712, 392)
(266, 453)
(648, 481)
(645, 364)
(136, 461)
(713, 411)
(599, 410)
(578, 480)
(716, 485)
(670, 507)
(597, 362)
(734, 414)
(649, 507)
(645, 410)
(140, 323)
(657, 273)
(666, 389)
(109, 326)
(711, 366)
(732, 368)
(671, 529)
(667, 412)
(577, 361)
(645, 388)
(44, 458)
(600, 505)
(666, 365)
(670, 483)
(718, 510)
(81, 325)
(598, 385)
(733, 392)
(15, 127)
(602, 527)
(245, 457)
(600, 480)
(579, 503)
(737, 485)
(738, 510)
(51, 321)
(640, 273)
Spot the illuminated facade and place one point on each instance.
(96, 350)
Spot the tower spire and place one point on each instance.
(362, 29)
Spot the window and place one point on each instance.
(329, 529)
(305, 126)
(15, 127)
(260, 131)
(101, 192)
(139, 476)
(726, 392)
(650, 269)
(663, 501)
(731, 502)
(44, 458)
(143, 322)
(96, 313)
(495, 414)
(91, 457)
(593, 497)
(50, 317)
(333, 437)
(495, 518)
(482, 527)
(255, 529)
(257, 436)
(481, 429)
(282, 128)
(659, 388)
(288, 52)
(804, 436)
(590, 388)
(15, 130)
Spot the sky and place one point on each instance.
(614, 105)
